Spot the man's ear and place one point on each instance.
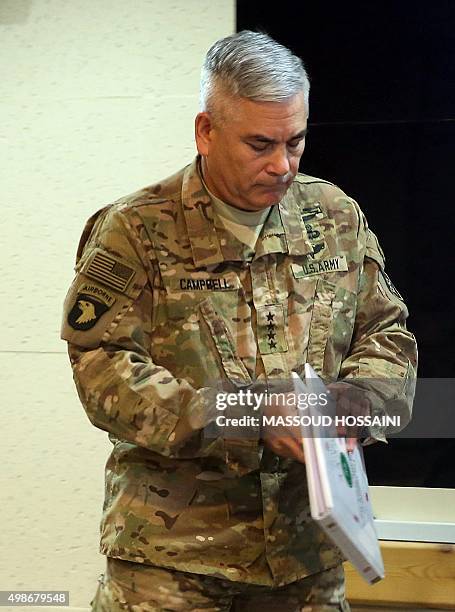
(203, 132)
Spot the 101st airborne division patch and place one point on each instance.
(91, 303)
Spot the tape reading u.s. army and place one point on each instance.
(108, 270)
(331, 264)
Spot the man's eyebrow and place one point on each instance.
(262, 138)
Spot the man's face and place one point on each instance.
(250, 158)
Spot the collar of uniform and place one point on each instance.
(211, 242)
(294, 226)
(199, 218)
(232, 248)
(284, 230)
(273, 237)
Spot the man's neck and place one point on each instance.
(212, 188)
(248, 218)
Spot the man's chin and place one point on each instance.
(263, 203)
(263, 200)
(273, 195)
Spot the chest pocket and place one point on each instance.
(200, 321)
(324, 284)
(331, 327)
(225, 345)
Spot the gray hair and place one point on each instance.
(251, 65)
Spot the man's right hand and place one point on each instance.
(283, 440)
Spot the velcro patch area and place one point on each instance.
(110, 271)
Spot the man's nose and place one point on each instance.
(278, 162)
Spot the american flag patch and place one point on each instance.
(109, 271)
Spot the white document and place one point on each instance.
(338, 485)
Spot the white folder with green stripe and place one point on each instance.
(338, 485)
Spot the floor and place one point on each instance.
(392, 609)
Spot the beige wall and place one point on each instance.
(97, 99)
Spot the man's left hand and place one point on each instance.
(350, 401)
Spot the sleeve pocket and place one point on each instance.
(320, 324)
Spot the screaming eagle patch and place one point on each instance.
(90, 304)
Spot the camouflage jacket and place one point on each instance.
(165, 301)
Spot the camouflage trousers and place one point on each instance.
(145, 588)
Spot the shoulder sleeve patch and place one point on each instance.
(389, 286)
(109, 270)
(389, 291)
(102, 291)
(373, 249)
(374, 252)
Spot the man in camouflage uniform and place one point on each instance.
(236, 269)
